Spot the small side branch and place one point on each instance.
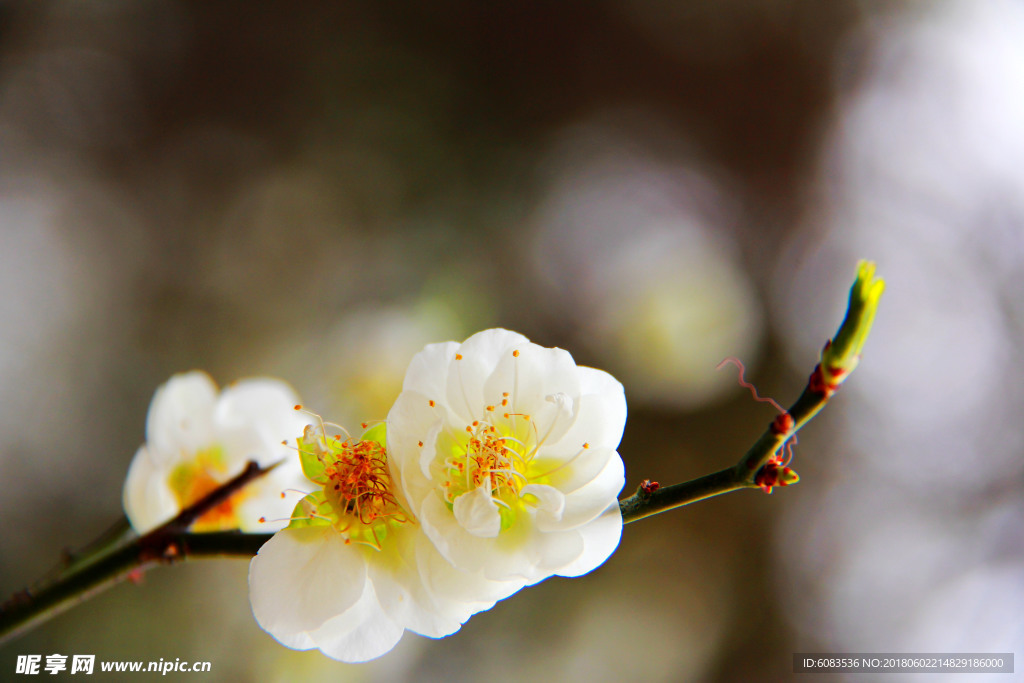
(762, 465)
(645, 502)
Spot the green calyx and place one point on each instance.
(332, 462)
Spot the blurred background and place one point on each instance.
(316, 190)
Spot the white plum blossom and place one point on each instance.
(198, 438)
(354, 570)
(496, 468)
(506, 453)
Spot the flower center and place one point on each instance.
(358, 482)
(193, 479)
(493, 455)
(357, 496)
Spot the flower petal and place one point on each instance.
(411, 421)
(148, 502)
(568, 473)
(472, 366)
(429, 449)
(180, 415)
(303, 577)
(428, 370)
(296, 641)
(361, 635)
(600, 414)
(253, 416)
(529, 378)
(458, 546)
(272, 498)
(520, 551)
(589, 500)
(460, 593)
(400, 590)
(600, 539)
(477, 512)
(550, 503)
(553, 550)
(610, 391)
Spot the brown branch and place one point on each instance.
(166, 544)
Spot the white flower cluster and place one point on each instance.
(496, 468)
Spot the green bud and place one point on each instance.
(842, 354)
(787, 476)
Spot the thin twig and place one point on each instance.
(762, 465)
(744, 474)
